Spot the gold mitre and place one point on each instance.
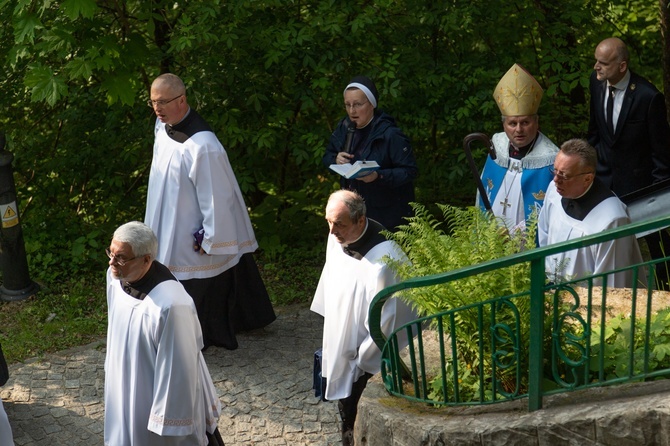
(518, 93)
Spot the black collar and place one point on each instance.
(370, 238)
(187, 127)
(157, 274)
(579, 208)
(518, 153)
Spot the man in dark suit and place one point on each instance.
(629, 129)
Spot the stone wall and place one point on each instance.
(625, 415)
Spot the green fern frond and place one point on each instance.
(469, 237)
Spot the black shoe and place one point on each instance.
(348, 437)
(230, 345)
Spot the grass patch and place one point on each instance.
(56, 318)
(292, 278)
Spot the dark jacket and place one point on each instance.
(387, 198)
(638, 154)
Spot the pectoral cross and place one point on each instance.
(505, 204)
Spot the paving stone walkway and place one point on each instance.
(264, 386)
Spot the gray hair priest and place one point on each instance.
(516, 179)
(158, 389)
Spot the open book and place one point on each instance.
(358, 169)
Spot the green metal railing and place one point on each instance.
(506, 356)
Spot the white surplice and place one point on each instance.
(346, 289)
(176, 208)
(555, 226)
(158, 390)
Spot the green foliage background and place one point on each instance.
(268, 76)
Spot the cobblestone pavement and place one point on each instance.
(264, 386)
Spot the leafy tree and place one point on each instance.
(268, 76)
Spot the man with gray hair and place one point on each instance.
(158, 390)
(355, 271)
(579, 204)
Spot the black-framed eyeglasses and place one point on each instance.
(119, 260)
(160, 103)
(355, 105)
(564, 177)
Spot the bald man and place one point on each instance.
(193, 192)
(631, 136)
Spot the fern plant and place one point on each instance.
(465, 237)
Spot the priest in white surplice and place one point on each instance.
(158, 390)
(353, 274)
(192, 187)
(516, 179)
(579, 204)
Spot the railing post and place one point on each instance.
(13, 263)
(535, 366)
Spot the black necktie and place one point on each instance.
(610, 110)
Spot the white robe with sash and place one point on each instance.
(158, 390)
(343, 296)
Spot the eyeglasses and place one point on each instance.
(355, 105)
(564, 177)
(119, 260)
(151, 103)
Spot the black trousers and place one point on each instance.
(235, 300)
(349, 406)
(215, 438)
